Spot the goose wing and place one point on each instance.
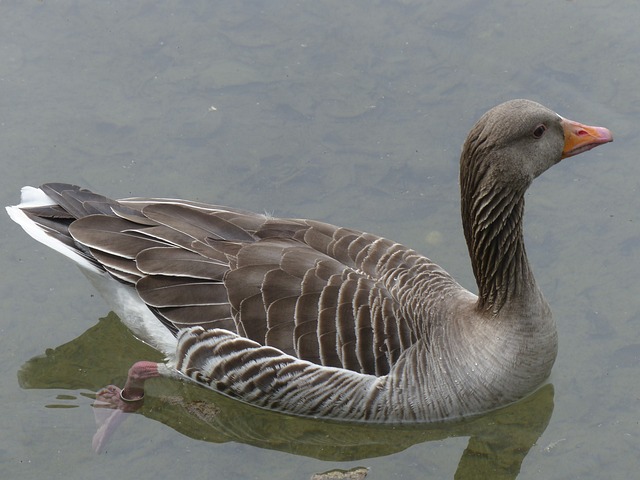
(313, 290)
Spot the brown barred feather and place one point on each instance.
(309, 318)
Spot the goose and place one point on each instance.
(312, 319)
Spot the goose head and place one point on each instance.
(516, 141)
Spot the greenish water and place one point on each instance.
(351, 113)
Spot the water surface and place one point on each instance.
(352, 113)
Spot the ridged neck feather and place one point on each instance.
(492, 214)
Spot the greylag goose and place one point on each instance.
(313, 319)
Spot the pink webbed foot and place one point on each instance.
(112, 403)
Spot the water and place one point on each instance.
(351, 113)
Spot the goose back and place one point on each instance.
(325, 294)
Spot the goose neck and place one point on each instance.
(493, 227)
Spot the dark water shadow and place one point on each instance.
(498, 441)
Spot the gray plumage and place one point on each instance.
(313, 319)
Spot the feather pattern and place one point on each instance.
(313, 319)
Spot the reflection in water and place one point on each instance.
(498, 441)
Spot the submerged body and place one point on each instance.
(313, 319)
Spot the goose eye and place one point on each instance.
(539, 131)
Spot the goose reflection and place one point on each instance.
(498, 441)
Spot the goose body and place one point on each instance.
(313, 319)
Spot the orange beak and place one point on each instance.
(579, 138)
